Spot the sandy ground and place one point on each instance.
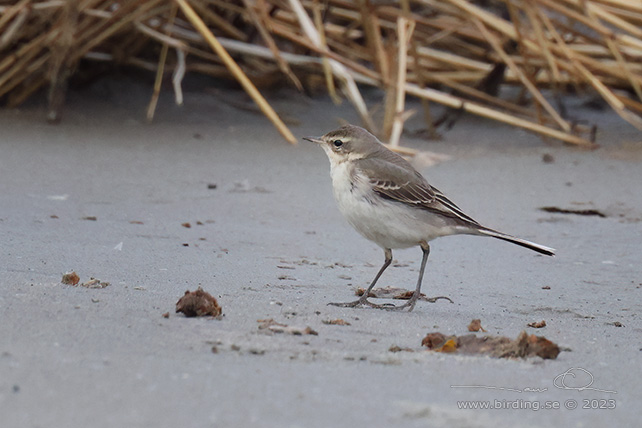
(268, 242)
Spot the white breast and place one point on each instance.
(389, 224)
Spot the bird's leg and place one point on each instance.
(363, 300)
(410, 304)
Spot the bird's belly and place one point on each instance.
(388, 223)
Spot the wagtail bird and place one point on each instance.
(388, 202)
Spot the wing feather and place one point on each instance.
(398, 181)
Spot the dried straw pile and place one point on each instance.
(453, 52)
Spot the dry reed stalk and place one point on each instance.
(259, 21)
(479, 95)
(577, 62)
(327, 69)
(553, 70)
(119, 20)
(348, 63)
(17, 63)
(20, 12)
(216, 21)
(374, 41)
(420, 75)
(404, 34)
(151, 108)
(349, 85)
(484, 111)
(617, 53)
(588, 76)
(522, 77)
(180, 67)
(62, 63)
(236, 71)
(531, 64)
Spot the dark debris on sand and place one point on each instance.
(494, 346)
(198, 303)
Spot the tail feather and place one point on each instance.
(518, 241)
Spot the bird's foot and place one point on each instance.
(361, 302)
(434, 299)
(366, 302)
(410, 304)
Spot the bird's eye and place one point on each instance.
(337, 143)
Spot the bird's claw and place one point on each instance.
(366, 302)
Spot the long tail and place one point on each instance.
(524, 243)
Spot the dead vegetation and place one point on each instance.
(457, 53)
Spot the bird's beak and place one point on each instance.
(317, 140)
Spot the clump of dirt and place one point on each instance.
(198, 303)
(538, 324)
(475, 325)
(70, 278)
(338, 321)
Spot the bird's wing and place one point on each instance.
(402, 183)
